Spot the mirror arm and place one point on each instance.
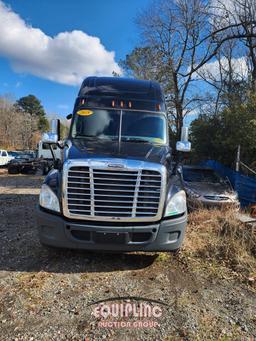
(56, 162)
(177, 162)
(69, 116)
(52, 152)
(60, 145)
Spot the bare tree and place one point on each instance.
(231, 73)
(227, 75)
(240, 16)
(185, 35)
(173, 30)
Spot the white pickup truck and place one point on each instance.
(4, 157)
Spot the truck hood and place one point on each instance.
(80, 149)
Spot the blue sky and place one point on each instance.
(29, 58)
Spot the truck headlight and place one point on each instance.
(48, 199)
(176, 205)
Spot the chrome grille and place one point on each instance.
(106, 193)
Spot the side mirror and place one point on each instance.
(184, 145)
(69, 116)
(53, 136)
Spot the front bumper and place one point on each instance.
(55, 230)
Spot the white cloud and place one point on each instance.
(66, 58)
(226, 12)
(211, 70)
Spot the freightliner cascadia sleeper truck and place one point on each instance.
(117, 187)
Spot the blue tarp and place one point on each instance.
(244, 185)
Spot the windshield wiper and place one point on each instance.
(80, 136)
(134, 139)
(93, 137)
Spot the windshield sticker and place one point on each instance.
(158, 140)
(84, 112)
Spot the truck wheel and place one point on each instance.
(29, 171)
(13, 170)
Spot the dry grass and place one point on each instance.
(218, 236)
(3, 171)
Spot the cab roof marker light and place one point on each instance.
(158, 107)
(129, 104)
(122, 104)
(113, 103)
(82, 101)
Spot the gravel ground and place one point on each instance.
(49, 295)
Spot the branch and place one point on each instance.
(215, 51)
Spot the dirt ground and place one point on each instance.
(50, 295)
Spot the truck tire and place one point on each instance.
(13, 170)
(28, 171)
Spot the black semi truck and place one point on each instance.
(117, 187)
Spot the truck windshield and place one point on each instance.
(134, 126)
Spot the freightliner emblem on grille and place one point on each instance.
(115, 165)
